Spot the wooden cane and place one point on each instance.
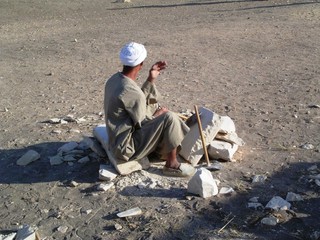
(201, 134)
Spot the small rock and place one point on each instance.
(141, 185)
(72, 130)
(25, 232)
(86, 211)
(84, 160)
(55, 160)
(317, 181)
(254, 199)
(278, 203)
(95, 146)
(312, 168)
(226, 190)
(117, 226)
(73, 184)
(10, 236)
(292, 197)
(70, 164)
(203, 184)
(107, 172)
(56, 131)
(259, 179)
(255, 205)
(54, 120)
(314, 106)
(270, 221)
(28, 157)
(75, 40)
(131, 212)
(69, 158)
(315, 235)
(105, 187)
(68, 147)
(307, 146)
(62, 229)
(189, 198)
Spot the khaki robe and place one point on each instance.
(133, 131)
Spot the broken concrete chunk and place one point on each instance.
(278, 203)
(203, 184)
(131, 212)
(107, 173)
(68, 147)
(270, 221)
(105, 187)
(28, 157)
(191, 146)
(222, 150)
(293, 197)
(56, 160)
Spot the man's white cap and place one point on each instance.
(132, 54)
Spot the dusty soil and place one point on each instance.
(255, 61)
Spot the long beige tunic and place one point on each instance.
(133, 132)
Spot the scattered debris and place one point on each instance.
(278, 203)
(28, 157)
(203, 184)
(131, 212)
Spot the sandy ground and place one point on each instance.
(255, 61)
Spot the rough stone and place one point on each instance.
(28, 157)
(270, 221)
(254, 199)
(10, 236)
(95, 146)
(73, 184)
(26, 232)
(62, 229)
(130, 212)
(278, 203)
(293, 197)
(203, 184)
(56, 160)
(222, 150)
(68, 147)
(226, 190)
(191, 146)
(231, 137)
(105, 187)
(307, 146)
(84, 160)
(107, 172)
(122, 167)
(255, 205)
(117, 226)
(259, 179)
(227, 125)
(69, 158)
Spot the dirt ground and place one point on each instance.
(256, 61)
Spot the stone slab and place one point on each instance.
(222, 150)
(28, 157)
(122, 167)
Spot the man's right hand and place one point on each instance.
(155, 70)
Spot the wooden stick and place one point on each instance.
(201, 134)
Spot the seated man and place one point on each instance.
(136, 124)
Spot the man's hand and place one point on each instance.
(155, 70)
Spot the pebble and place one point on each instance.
(28, 157)
(62, 229)
(293, 197)
(69, 158)
(56, 131)
(317, 181)
(278, 203)
(259, 179)
(105, 187)
(73, 184)
(226, 190)
(117, 226)
(314, 106)
(55, 160)
(307, 146)
(254, 199)
(86, 211)
(107, 172)
(84, 160)
(130, 212)
(54, 120)
(68, 147)
(312, 168)
(255, 205)
(270, 221)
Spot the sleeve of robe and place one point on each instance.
(152, 97)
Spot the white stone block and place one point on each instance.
(28, 157)
(227, 125)
(222, 150)
(203, 184)
(191, 146)
(123, 167)
(107, 173)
